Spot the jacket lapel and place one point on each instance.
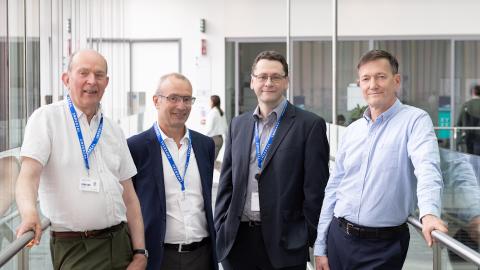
(246, 131)
(156, 156)
(201, 162)
(285, 125)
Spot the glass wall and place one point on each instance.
(3, 77)
(36, 39)
(312, 80)
(425, 71)
(425, 67)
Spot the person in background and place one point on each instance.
(470, 117)
(216, 125)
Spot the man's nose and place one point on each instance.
(91, 78)
(372, 84)
(269, 81)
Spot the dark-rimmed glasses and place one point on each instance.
(263, 78)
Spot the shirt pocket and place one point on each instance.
(387, 157)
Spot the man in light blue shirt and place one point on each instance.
(382, 159)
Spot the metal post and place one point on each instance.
(437, 256)
(237, 79)
(289, 53)
(453, 142)
(334, 63)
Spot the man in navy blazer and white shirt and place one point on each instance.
(174, 182)
(274, 173)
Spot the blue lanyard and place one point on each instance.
(180, 179)
(94, 143)
(261, 157)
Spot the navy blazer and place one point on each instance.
(291, 186)
(150, 188)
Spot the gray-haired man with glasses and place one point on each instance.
(174, 182)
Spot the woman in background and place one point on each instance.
(216, 125)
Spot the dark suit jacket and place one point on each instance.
(291, 186)
(150, 188)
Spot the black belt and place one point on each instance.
(251, 223)
(187, 247)
(87, 234)
(371, 232)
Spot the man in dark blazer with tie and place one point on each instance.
(272, 183)
(174, 183)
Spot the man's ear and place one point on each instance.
(65, 79)
(397, 78)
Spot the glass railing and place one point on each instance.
(456, 250)
(23, 258)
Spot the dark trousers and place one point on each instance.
(107, 251)
(347, 252)
(198, 259)
(248, 252)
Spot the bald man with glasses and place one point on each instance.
(174, 182)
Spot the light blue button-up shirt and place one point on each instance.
(378, 167)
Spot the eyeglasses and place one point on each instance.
(187, 100)
(275, 78)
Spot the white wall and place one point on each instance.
(180, 19)
(251, 18)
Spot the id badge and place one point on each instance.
(89, 184)
(184, 203)
(255, 202)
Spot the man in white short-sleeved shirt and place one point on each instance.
(78, 162)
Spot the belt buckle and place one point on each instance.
(180, 249)
(349, 228)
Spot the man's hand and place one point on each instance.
(321, 263)
(31, 222)
(430, 223)
(139, 262)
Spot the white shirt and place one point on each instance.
(215, 123)
(186, 219)
(51, 139)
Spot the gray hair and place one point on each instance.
(175, 75)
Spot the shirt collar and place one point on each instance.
(277, 110)
(80, 114)
(183, 140)
(385, 115)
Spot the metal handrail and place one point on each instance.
(10, 216)
(452, 244)
(13, 248)
(457, 128)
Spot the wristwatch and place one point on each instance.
(144, 252)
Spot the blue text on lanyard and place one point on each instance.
(180, 179)
(261, 157)
(94, 143)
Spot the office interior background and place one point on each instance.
(213, 42)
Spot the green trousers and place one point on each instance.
(108, 251)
